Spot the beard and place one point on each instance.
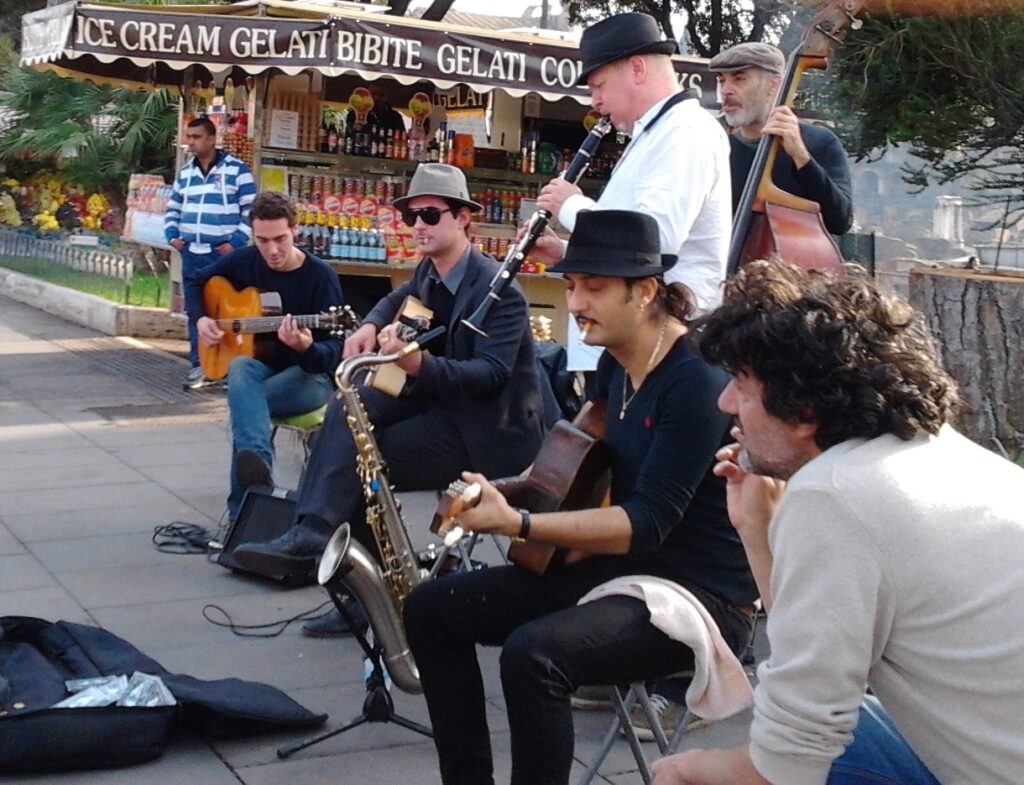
(743, 116)
(777, 469)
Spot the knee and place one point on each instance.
(242, 369)
(525, 655)
(424, 612)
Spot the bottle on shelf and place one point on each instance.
(334, 250)
(389, 144)
(332, 138)
(321, 134)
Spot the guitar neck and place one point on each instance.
(266, 324)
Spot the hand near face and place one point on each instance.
(752, 498)
(784, 124)
(293, 336)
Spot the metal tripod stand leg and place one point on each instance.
(377, 705)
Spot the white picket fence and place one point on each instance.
(101, 261)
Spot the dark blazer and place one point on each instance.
(489, 384)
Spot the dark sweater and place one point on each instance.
(662, 454)
(825, 179)
(309, 289)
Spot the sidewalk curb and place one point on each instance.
(89, 310)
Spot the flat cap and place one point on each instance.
(749, 55)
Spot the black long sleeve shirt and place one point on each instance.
(662, 452)
(825, 179)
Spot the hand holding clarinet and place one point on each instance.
(536, 227)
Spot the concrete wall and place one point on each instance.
(89, 310)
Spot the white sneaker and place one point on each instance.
(194, 379)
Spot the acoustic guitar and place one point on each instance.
(248, 327)
(413, 319)
(571, 472)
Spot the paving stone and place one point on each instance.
(186, 759)
(51, 602)
(23, 571)
(180, 623)
(120, 517)
(9, 544)
(78, 554)
(67, 474)
(91, 497)
(177, 579)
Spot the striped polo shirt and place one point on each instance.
(209, 209)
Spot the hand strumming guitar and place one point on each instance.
(493, 514)
(391, 341)
(362, 341)
(208, 331)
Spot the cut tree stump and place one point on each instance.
(977, 318)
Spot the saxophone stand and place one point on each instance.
(377, 705)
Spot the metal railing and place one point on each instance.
(100, 261)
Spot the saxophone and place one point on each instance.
(381, 590)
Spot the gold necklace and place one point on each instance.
(650, 364)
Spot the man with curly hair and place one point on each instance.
(888, 547)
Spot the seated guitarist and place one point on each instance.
(470, 400)
(297, 378)
(667, 519)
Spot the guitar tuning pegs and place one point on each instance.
(856, 24)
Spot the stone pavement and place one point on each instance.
(98, 446)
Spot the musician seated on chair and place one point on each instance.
(667, 519)
(293, 375)
(471, 400)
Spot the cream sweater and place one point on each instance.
(898, 566)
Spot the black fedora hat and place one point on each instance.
(615, 243)
(619, 36)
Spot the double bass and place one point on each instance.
(772, 222)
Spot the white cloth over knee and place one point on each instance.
(719, 687)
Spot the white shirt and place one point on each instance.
(678, 172)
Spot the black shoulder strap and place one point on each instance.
(675, 99)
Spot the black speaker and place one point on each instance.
(266, 512)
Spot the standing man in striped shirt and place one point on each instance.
(208, 213)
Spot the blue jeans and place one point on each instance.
(255, 394)
(878, 755)
(191, 264)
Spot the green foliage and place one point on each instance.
(114, 130)
(950, 87)
(711, 25)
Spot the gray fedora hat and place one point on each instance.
(615, 243)
(447, 182)
(619, 36)
(749, 55)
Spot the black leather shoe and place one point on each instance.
(333, 625)
(295, 552)
(252, 469)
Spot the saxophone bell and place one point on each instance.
(346, 561)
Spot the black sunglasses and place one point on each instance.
(431, 215)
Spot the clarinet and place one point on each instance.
(534, 228)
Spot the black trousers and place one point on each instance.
(550, 646)
(421, 446)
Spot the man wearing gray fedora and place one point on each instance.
(667, 520)
(811, 161)
(675, 167)
(471, 400)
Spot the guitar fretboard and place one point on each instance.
(267, 324)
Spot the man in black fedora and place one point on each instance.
(675, 168)
(667, 519)
(469, 400)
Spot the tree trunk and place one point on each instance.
(976, 319)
